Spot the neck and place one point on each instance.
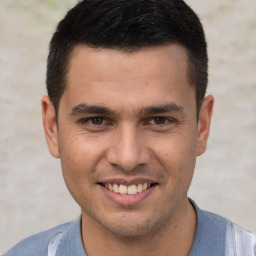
(175, 237)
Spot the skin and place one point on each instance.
(149, 132)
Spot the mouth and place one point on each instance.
(132, 189)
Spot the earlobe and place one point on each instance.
(204, 124)
(50, 126)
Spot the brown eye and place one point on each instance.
(97, 120)
(159, 120)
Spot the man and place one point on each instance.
(127, 115)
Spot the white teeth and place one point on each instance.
(123, 189)
(130, 190)
(144, 186)
(139, 188)
(116, 188)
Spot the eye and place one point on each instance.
(96, 120)
(159, 120)
(160, 123)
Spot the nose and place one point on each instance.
(128, 149)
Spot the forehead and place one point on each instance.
(100, 74)
(104, 62)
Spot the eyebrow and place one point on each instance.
(94, 109)
(91, 109)
(162, 109)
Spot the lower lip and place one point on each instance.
(127, 199)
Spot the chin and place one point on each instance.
(133, 226)
(128, 231)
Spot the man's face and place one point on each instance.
(128, 136)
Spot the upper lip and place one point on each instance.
(127, 182)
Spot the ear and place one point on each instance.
(204, 124)
(50, 126)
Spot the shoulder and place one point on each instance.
(216, 235)
(37, 244)
(239, 241)
(209, 222)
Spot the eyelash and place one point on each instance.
(87, 120)
(106, 121)
(162, 118)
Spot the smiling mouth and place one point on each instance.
(127, 190)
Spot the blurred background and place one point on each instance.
(33, 196)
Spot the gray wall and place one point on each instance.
(33, 196)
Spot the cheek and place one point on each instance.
(175, 148)
(80, 150)
(79, 159)
(177, 155)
